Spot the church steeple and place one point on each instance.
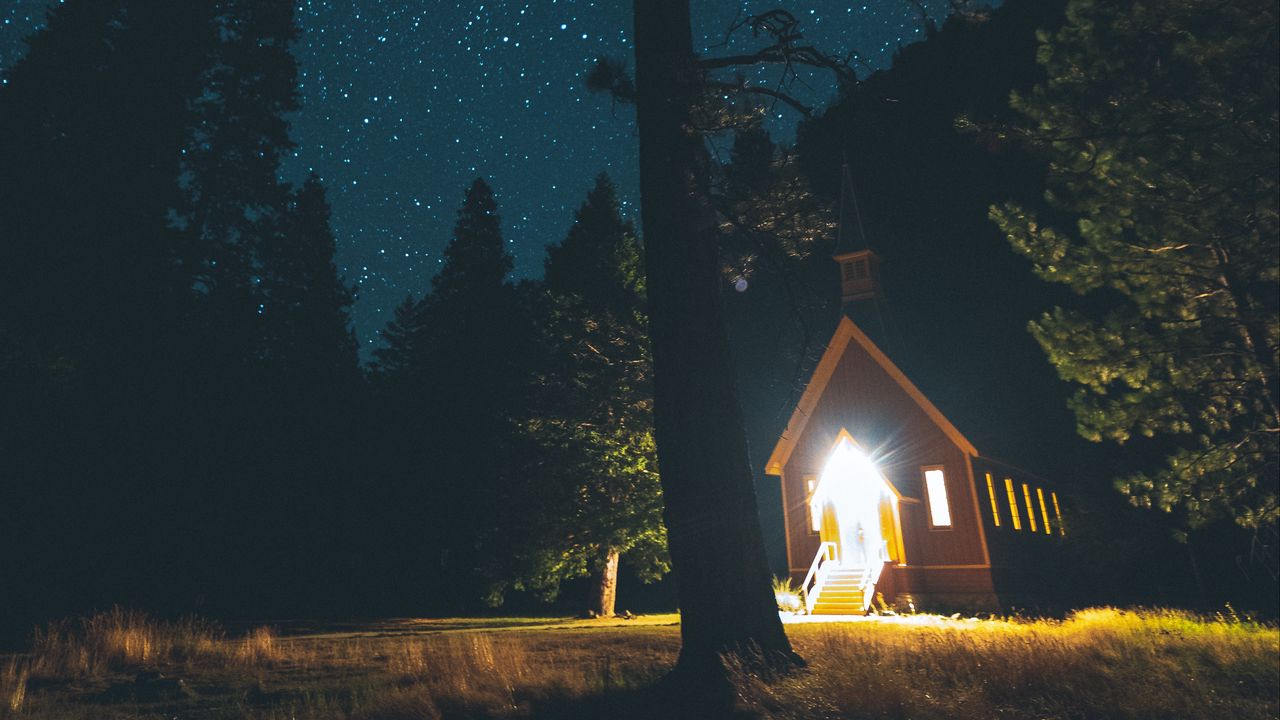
(859, 265)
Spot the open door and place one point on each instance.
(858, 508)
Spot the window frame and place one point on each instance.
(1044, 511)
(1057, 511)
(810, 484)
(991, 495)
(1013, 503)
(1031, 511)
(928, 497)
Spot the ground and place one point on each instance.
(1099, 663)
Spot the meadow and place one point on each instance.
(1097, 663)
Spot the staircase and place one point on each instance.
(841, 593)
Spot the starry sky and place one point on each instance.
(405, 102)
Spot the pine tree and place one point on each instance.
(401, 335)
(305, 302)
(141, 147)
(91, 134)
(599, 259)
(476, 261)
(594, 496)
(236, 200)
(467, 317)
(1160, 121)
(468, 382)
(92, 293)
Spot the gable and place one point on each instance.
(849, 338)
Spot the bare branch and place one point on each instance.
(741, 87)
(784, 29)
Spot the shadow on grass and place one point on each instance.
(647, 703)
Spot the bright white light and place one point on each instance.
(936, 486)
(855, 489)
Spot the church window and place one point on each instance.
(1057, 512)
(936, 490)
(1044, 512)
(1031, 513)
(1013, 503)
(991, 495)
(815, 520)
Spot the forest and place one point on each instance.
(187, 424)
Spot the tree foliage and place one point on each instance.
(450, 385)
(174, 350)
(595, 488)
(1160, 121)
(769, 216)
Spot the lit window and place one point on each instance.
(1057, 511)
(815, 520)
(1031, 513)
(1013, 503)
(936, 487)
(991, 494)
(1044, 512)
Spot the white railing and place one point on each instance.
(872, 577)
(818, 570)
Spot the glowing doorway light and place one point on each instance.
(853, 489)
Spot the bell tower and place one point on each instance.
(859, 275)
(859, 265)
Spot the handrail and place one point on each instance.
(817, 574)
(873, 577)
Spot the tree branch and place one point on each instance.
(757, 90)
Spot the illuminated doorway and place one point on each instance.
(856, 509)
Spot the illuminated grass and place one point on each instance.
(1099, 663)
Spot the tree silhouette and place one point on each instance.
(305, 302)
(453, 379)
(711, 515)
(144, 234)
(593, 496)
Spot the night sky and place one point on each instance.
(404, 103)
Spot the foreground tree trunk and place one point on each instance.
(604, 595)
(717, 549)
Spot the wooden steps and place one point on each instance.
(841, 593)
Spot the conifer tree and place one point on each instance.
(305, 305)
(141, 143)
(476, 260)
(401, 337)
(91, 134)
(1160, 121)
(236, 200)
(467, 376)
(594, 496)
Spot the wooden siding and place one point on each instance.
(903, 435)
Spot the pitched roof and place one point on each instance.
(847, 332)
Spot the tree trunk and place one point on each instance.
(604, 595)
(713, 529)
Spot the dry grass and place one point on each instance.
(1098, 663)
(121, 640)
(1101, 663)
(13, 686)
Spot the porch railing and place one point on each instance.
(817, 575)
(872, 577)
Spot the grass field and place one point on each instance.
(1099, 663)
